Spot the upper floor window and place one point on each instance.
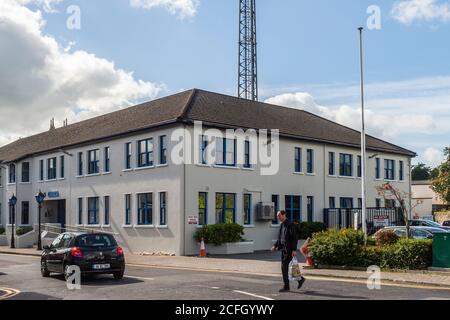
(203, 145)
(51, 169)
(1, 176)
(298, 160)
(346, 165)
(401, 172)
(310, 161)
(226, 152)
(145, 153)
(331, 164)
(247, 154)
(377, 168)
(107, 159)
(12, 173)
(80, 163)
(41, 170)
(163, 150)
(25, 172)
(128, 152)
(62, 167)
(93, 161)
(359, 166)
(389, 169)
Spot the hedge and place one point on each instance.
(306, 230)
(218, 234)
(346, 248)
(23, 230)
(2, 231)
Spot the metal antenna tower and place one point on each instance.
(248, 66)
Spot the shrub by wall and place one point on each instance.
(306, 230)
(386, 237)
(23, 230)
(2, 231)
(218, 234)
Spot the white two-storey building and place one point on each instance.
(116, 172)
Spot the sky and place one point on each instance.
(76, 59)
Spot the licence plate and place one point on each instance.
(101, 266)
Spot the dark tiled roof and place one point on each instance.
(211, 108)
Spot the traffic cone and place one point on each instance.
(202, 249)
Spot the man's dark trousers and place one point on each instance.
(286, 259)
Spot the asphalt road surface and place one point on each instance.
(21, 274)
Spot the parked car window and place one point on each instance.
(56, 242)
(95, 241)
(419, 234)
(400, 232)
(65, 241)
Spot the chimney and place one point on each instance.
(52, 124)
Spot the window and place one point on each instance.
(107, 159)
(332, 203)
(163, 150)
(203, 143)
(12, 173)
(276, 203)
(80, 211)
(107, 210)
(1, 176)
(310, 161)
(359, 167)
(331, 164)
(346, 165)
(293, 208)
(163, 208)
(401, 173)
(389, 169)
(247, 154)
(25, 172)
(145, 153)
(25, 213)
(202, 208)
(80, 163)
(93, 210)
(389, 203)
(310, 208)
(145, 209)
(225, 208)
(377, 169)
(127, 209)
(51, 169)
(128, 152)
(378, 203)
(61, 167)
(298, 160)
(226, 152)
(247, 209)
(346, 203)
(360, 204)
(93, 161)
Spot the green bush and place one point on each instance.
(218, 234)
(306, 230)
(23, 230)
(2, 231)
(338, 247)
(386, 237)
(407, 254)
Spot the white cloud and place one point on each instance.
(410, 11)
(182, 8)
(433, 156)
(39, 80)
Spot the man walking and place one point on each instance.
(287, 244)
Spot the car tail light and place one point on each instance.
(76, 252)
(119, 251)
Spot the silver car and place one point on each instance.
(415, 232)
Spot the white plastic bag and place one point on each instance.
(295, 272)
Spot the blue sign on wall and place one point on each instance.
(53, 194)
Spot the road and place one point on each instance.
(21, 274)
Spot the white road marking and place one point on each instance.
(139, 278)
(216, 288)
(253, 295)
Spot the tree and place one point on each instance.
(388, 191)
(441, 183)
(421, 172)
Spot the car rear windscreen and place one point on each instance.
(95, 241)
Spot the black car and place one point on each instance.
(93, 253)
(446, 223)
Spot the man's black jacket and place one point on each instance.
(289, 233)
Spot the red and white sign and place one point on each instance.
(193, 220)
(381, 221)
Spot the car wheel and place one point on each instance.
(44, 271)
(118, 275)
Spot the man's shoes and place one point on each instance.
(284, 289)
(301, 282)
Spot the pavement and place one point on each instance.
(165, 283)
(264, 264)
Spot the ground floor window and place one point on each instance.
(378, 203)
(225, 208)
(389, 203)
(145, 209)
(293, 206)
(107, 209)
(276, 204)
(332, 203)
(163, 208)
(202, 208)
(127, 209)
(80, 210)
(25, 213)
(247, 209)
(346, 203)
(93, 210)
(310, 208)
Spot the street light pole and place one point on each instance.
(40, 199)
(12, 203)
(363, 138)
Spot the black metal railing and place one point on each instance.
(346, 218)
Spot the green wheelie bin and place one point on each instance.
(441, 250)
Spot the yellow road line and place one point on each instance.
(9, 293)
